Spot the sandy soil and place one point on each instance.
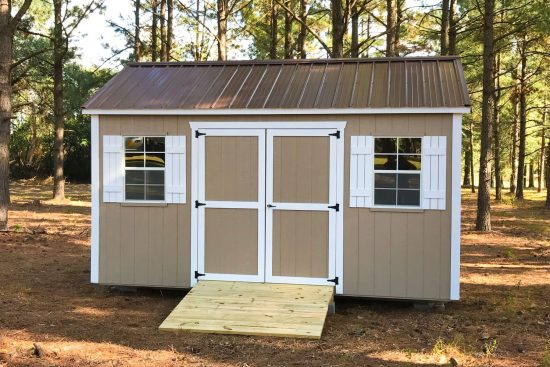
(503, 318)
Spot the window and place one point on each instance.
(397, 163)
(144, 161)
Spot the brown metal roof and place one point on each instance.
(287, 84)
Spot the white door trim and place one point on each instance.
(199, 195)
(339, 125)
(332, 200)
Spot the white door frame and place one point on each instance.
(271, 206)
(201, 125)
(229, 204)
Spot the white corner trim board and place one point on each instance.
(455, 206)
(94, 264)
(276, 111)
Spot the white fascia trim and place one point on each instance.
(94, 266)
(455, 206)
(277, 111)
(308, 125)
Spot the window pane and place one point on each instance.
(408, 181)
(134, 159)
(135, 177)
(154, 144)
(384, 180)
(384, 197)
(408, 197)
(155, 177)
(155, 192)
(409, 162)
(387, 162)
(410, 145)
(154, 160)
(133, 144)
(135, 192)
(385, 145)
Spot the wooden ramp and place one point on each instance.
(286, 310)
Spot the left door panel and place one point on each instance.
(230, 205)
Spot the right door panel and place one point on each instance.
(300, 189)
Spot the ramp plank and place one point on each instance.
(285, 310)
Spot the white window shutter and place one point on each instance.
(361, 171)
(434, 172)
(175, 169)
(113, 171)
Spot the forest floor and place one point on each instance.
(502, 319)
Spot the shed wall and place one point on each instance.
(387, 253)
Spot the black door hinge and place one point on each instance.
(198, 133)
(197, 275)
(197, 204)
(335, 207)
(335, 280)
(337, 134)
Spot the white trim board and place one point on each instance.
(277, 111)
(455, 206)
(339, 125)
(94, 256)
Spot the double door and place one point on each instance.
(266, 205)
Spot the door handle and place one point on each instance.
(271, 206)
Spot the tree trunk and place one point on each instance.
(391, 29)
(162, 30)
(303, 30)
(483, 220)
(531, 174)
(222, 15)
(288, 32)
(467, 160)
(513, 155)
(273, 35)
(137, 42)
(169, 32)
(354, 30)
(338, 29)
(548, 175)
(472, 172)
(452, 28)
(6, 43)
(154, 8)
(542, 155)
(522, 119)
(496, 133)
(58, 114)
(444, 36)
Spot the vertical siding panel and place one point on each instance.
(155, 245)
(351, 218)
(113, 243)
(141, 261)
(366, 252)
(170, 246)
(415, 255)
(103, 230)
(398, 255)
(127, 245)
(382, 254)
(319, 239)
(432, 227)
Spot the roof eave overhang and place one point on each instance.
(279, 111)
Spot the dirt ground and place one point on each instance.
(503, 318)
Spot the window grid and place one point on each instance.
(398, 172)
(149, 193)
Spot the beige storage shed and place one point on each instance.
(343, 172)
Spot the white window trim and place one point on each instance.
(144, 201)
(375, 171)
